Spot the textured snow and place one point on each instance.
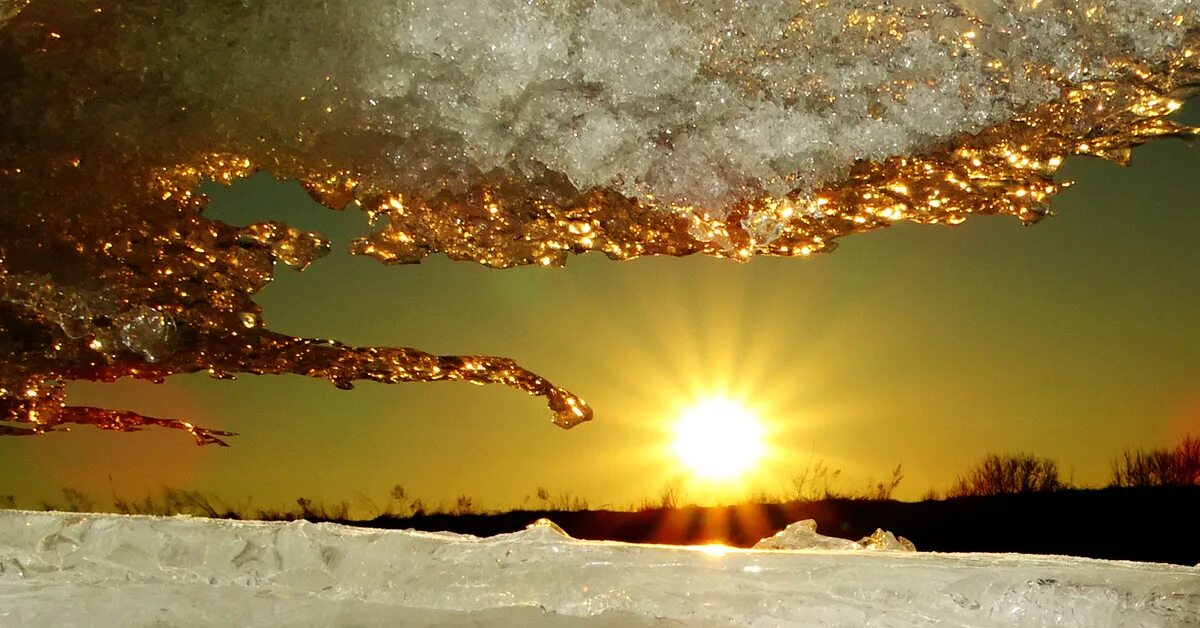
(694, 103)
(86, 570)
(689, 101)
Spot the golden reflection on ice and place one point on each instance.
(108, 268)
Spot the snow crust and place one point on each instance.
(691, 103)
(84, 570)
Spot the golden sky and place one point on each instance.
(922, 346)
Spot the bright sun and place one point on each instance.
(719, 439)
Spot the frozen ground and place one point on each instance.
(86, 570)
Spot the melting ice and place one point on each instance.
(509, 132)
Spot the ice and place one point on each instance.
(803, 535)
(76, 570)
(509, 132)
(884, 540)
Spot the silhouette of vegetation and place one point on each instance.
(1158, 486)
(314, 511)
(882, 491)
(812, 483)
(1004, 504)
(463, 506)
(1010, 474)
(402, 505)
(1179, 466)
(74, 501)
(667, 499)
(172, 501)
(560, 502)
(817, 482)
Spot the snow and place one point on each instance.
(681, 101)
(67, 569)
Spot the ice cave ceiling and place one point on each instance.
(509, 132)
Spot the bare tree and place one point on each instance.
(1179, 466)
(1007, 475)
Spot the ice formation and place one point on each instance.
(84, 570)
(803, 535)
(509, 132)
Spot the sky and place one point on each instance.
(923, 346)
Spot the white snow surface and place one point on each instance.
(66, 569)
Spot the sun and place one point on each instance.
(719, 439)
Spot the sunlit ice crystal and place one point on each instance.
(508, 132)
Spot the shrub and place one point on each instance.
(813, 482)
(74, 500)
(464, 506)
(401, 505)
(669, 498)
(315, 511)
(882, 491)
(1008, 474)
(1159, 467)
(562, 502)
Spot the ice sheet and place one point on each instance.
(69, 569)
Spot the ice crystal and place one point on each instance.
(510, 132)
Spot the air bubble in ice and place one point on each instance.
(150, 333)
